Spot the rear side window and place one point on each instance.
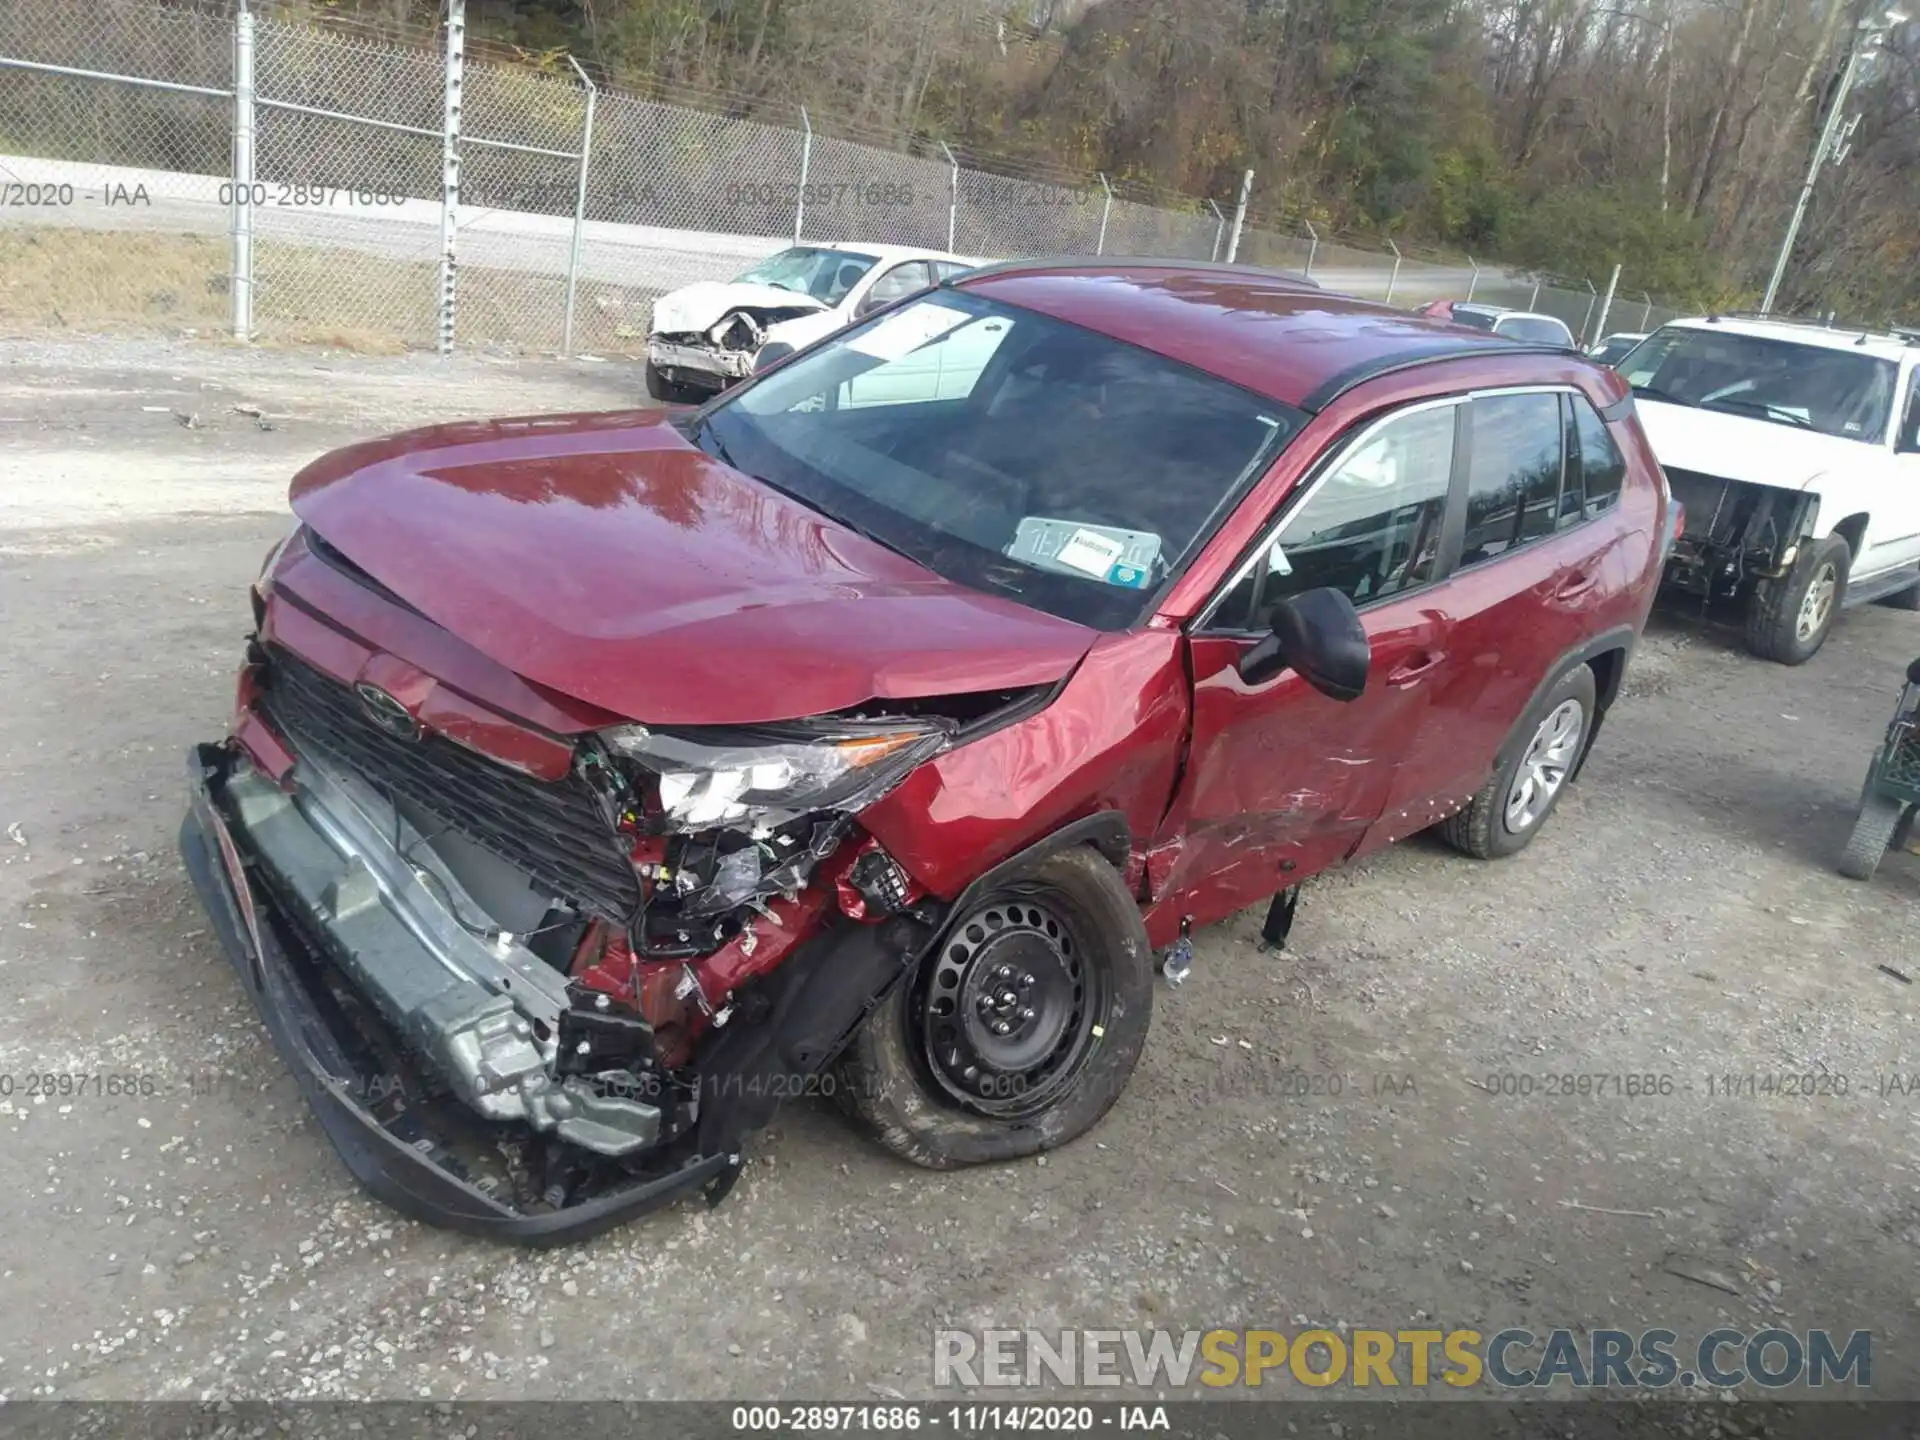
(1513, 483)
(1601, 468)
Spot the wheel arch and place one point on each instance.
(1105, 830)
(1606, 654)
(1853, 529)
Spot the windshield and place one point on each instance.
(1006, 451)
(1809, 387)
(1539, 329)
(827, 275)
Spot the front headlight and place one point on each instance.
(770, 775)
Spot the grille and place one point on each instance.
(551, 830)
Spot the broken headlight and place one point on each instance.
(766, 776)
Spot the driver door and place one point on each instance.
(1282, 781)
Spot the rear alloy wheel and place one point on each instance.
(1540, 757)
(1788, 619)
(1019, 1032)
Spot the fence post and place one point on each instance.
(1593, 297)
(953, 201)
(1106, 209)
(1646, 310)
(1394, 278)
(240, 281)
(1313, 245)
(1533, 300)
(1474, 283)
(806, 160)
(1600, 325)
(579, 205)
(1239, 215)
(450, 164)
(1219, 230)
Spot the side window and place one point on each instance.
(1371, 526)
(896, 284)
(1513, 484)
(1907, 438)
(1602, 467)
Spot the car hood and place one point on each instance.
(698, 306)
(1736, 447)
(607, 558)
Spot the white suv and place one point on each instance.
(1794, 449)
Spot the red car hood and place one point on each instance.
(607, 558)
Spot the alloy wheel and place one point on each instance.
(1544, 768)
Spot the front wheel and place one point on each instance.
(671, 392)
(1017, 1034)
(1873, 832)
(1789, 619)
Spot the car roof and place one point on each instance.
(1273, 333)
(1802, 332)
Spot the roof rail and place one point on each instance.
(1137, 262)
(1907, 334)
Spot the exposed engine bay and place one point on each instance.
(1737, 533)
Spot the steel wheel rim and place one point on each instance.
(1545, 765)
(1818, 604)
(1009, 1057)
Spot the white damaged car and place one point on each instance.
(706, 336)
(1796, 451)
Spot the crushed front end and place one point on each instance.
(533, 984)
(1737, 533)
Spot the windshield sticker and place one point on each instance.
(1131, 576)
(907, 330)
(1090, 552)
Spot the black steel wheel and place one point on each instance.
(1006, 1012)
(1019, 1031)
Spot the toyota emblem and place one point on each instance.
(388, 713)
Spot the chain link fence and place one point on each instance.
(200, 166)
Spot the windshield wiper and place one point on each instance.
(1771, 412)
(1654, 392)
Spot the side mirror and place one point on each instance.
(1318, 635)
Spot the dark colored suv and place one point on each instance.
(598, 781)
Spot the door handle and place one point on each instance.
(1578, 583)
(1410, 670)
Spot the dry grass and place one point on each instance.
(104, 280)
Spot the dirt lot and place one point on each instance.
(1680, 917)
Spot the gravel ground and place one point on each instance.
(1680, 918)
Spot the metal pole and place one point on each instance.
(240, 282)
(953, 203)
(1820, 150)
(1219, 230)
(1533, 300)
(1106, 209)
(1606, 306)
(806, 160)
(1239, 216)
(1313, 245)
(450, 164)
(1593, 295)
(1394, 278)
(1646, 310)
(1474, 283)
(579, 205)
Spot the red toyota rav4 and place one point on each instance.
(599, 781)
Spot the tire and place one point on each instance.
(1545, 747)
(1786, 622)
(914, 1101)
(1873, 832)
(669, 392)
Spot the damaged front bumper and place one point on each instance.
(699, 364)
(285, 876)
(1737, 533)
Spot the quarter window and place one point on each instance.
(1370, 527)
(1513, 483)
(1602, 468)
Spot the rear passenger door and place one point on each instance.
(1540, 561)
